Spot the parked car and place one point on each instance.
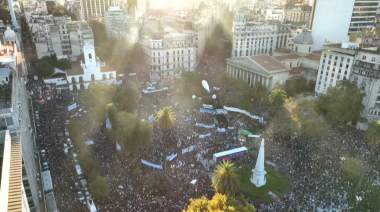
(88, 195)
(43, 153)
(80, 196)
(45, 166)
(66, 148)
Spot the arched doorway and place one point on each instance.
(92, 77)
(81, 80)
(104, 76)
(111, 75)
(75, 87)
(73, 80)
(82, 86)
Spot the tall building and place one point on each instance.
(14, 114)
(59, 36)
(93, 9)
(169, 51)
(114, 16)
(252, 37)
(344, 17)
(12, 12)
(12, 191)
(336, 65)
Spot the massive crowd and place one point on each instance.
(311, 166)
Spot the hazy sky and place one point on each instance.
(174, 3)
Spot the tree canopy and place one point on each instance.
(44, 69)
(219, 203)
(225, 180)
(165, 118)
(99, 188)
(342, 103)
(373, 133)
(277, 98)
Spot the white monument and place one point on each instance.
(258, 175)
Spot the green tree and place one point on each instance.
(44, 69)
(126, 99)
(111, 110)
(132, 133)
(165, 120)
(99, 31)
(277, 98)
(260, 95)
(373, 134)
(157, 183)
(282, 124)
(219, 203)
(225, 180)
(99, 188)
(63, 64)
(343, 103)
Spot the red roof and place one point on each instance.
(287, 57)
(268, 63)
(19, 64)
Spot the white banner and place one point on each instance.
(204, 136)
(231, 128)
(204, 125)
(237, 110)
(221, 111)
(254, 136)
(221, 129)
(151, 164)
(108, 124)
(153, 91)
(151, 118)
(208, 106)
(188, 149)
(171, 157)
(72, 107)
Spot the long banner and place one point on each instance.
(71, 107)
(151, 164)
(237, 110)
(188, 149)
(204, 136)
(153, 91)
(207, 111)
(204, 125)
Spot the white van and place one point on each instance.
(79, 171)
(91, 206)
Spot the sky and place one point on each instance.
(182, 4)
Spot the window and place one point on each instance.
(373, 59)
(364, 57)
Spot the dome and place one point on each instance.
(146, 31)
(9, 33)
(304, 38)
(188, 25)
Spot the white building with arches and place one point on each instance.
(90, 70)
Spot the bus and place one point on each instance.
(51, 205)
(230, 154)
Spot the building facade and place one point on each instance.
(93, 9)
(297, 15)
(345, 17)
(262, 69)
(12, 191)
(114, 16)
(336, 65)
(59, 36)
(169, 51)
(255, 38)
(82, 74)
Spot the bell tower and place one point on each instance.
(89, 55)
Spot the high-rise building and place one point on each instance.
(12, 191)
(93, 9)
(336, 65)
(114, 16)
(344, 17)
(252, 37)
(59, 36)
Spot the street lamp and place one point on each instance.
(214, 97)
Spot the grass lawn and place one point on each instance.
(351, 170)
(276, 182)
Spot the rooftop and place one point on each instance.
(268, 63)
(75, 69)
(6, 51)
(283, 50)
(288, 57)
